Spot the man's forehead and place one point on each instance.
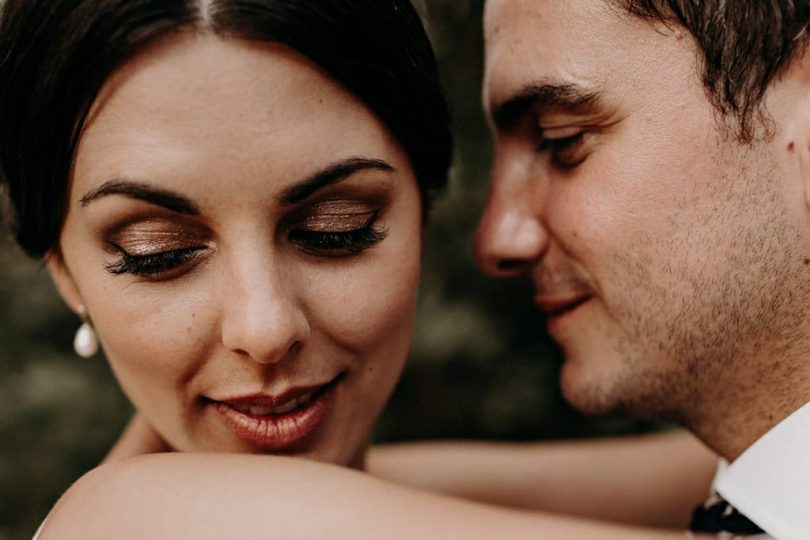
(575, 42)
(525, 40)
(515, 16)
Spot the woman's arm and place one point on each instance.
(654, 480)
(138, 438)
(218, 496)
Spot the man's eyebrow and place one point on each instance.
(331, 175)
(142, 192)
(543, 95)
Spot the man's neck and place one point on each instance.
(762, 395)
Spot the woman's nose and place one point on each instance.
(511, 237)
(263, 318)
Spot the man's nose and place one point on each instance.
(263, 317)
(511, 237)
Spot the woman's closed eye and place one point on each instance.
(335, 235)
(152, 265)
(330, 229)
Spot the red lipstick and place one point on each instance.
(278, 422)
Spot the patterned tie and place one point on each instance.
(717, 517)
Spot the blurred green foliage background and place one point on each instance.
(481, 367)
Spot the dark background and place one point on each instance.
(482, 366)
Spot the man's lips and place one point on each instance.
(556, 305)
(280, 421)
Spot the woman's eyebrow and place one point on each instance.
(142, 192)
(331, 175)
(178, 203)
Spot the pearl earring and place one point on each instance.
(85, 343)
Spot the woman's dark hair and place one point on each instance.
(55, 55)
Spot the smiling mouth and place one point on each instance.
(277, 423)
(555, 307)
(255, 408)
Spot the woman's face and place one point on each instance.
(245, 236)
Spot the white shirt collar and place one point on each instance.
(770, 482)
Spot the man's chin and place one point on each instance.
(587, 401)
(600, 394)
(584, 392)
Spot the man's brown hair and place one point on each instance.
(745, 45)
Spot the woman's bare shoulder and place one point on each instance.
(169, 494)
(222, 496)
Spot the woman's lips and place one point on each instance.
(277, 423)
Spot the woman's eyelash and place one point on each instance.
(152, 264)
(339, 242)
(330, 243)
(348, 242)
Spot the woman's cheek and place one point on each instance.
(372, 302)
(156, 342)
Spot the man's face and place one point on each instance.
(664, 252)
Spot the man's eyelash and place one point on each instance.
(565, 152)
(560, 144)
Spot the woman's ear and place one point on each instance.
(64, 281)
(796, 99)
(803, 151)
(804, 165)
